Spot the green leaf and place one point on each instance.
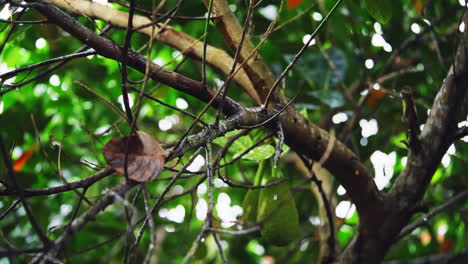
(259, 153)
(303, 112)
(322, 71)
(381, 10)
(241, 144)
(331, 98)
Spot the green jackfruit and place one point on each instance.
(278, 214)
(249, 205)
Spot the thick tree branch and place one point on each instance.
(244, 117)
(438, 132)
(191, 47)
(373, 241)
(109, 49)
(301, 134)
(258, 72)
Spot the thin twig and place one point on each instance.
(205, 44)
(85, 183)
(220, 248)
(25, 22)
(425, 219)
(236, 233)
(299, 54)
(68, 57)
(11, 174)
(50, 69)
(326, 203)
(236, 57)
(168, 105)
(9, 209)
(102, 98)
(160, 200)
(152, 244)
(279, 146)
(209, 215)
(126, 47)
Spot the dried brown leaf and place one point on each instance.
(145, 160)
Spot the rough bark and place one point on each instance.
(374, 240)
(302, 135)
(382, 216)
(217, 58)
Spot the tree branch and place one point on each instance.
(373, 241)
(301, 134)
(62, 188)
(57, 246)
(438, 132)
(457, 258)
(191, 47)
(109, 49)
(408, 229)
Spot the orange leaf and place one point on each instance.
(268, 260)
(316, 235)
(425, 238)
(418, 5)
(446, 246)
(21, 161)
(146, 157)
(375, 97)
(293, 3)
(339, 220)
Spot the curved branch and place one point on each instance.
(109, 49)
(301, 134)
(439, 129)
(373, 241)
(191, 47)
(116, 192)
(425, 219)
(456, 258)
(304, 136)
(62, 188)
(12, 73)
